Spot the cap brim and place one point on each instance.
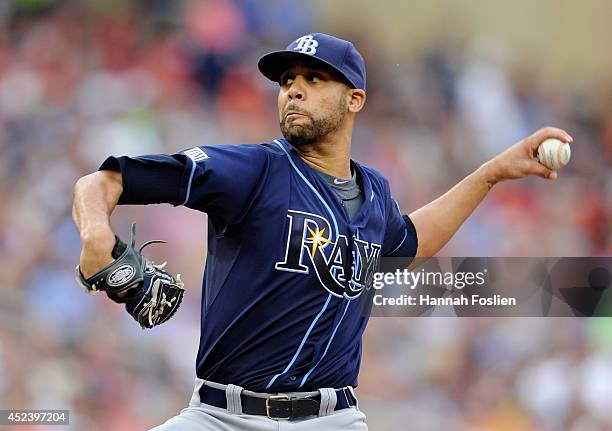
(273, 65)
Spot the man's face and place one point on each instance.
(312, 103)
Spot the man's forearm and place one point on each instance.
(95, 197)
(437, 222)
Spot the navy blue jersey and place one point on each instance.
(286, 268)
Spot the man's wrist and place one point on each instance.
(488, 173)
(99, 237)
(96, 252)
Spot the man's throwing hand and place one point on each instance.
(519, 160)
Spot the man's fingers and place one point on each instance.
(546, 133)
(540, 170)
(554, 132)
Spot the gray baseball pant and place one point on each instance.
(204, 417)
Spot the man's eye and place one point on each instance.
(314, 78)
(286, 80)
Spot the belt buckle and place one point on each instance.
(280, 397)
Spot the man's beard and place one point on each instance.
(312, 131)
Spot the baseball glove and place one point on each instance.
(151, 295)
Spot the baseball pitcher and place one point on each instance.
(296, 228)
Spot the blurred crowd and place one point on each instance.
(80, 80)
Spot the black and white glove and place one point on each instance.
(151, 295)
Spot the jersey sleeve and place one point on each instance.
(221, 180)
(400, 234)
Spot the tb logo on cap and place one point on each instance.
(306, 44)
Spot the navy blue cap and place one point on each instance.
(321, 48)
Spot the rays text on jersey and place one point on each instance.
(310, 244)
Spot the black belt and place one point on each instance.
(277, 406)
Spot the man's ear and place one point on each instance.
(356, 100)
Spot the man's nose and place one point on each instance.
(297, 90)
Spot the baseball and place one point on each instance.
(554, 154)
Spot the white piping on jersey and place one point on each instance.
(357, 256)
(397, 206)
(405, 229)
(312, 325)
(400, 244)
(330, 338)
(316, 319)
(310, 186)
(193, 166)
(326, 347)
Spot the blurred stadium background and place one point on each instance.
(451, 83)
